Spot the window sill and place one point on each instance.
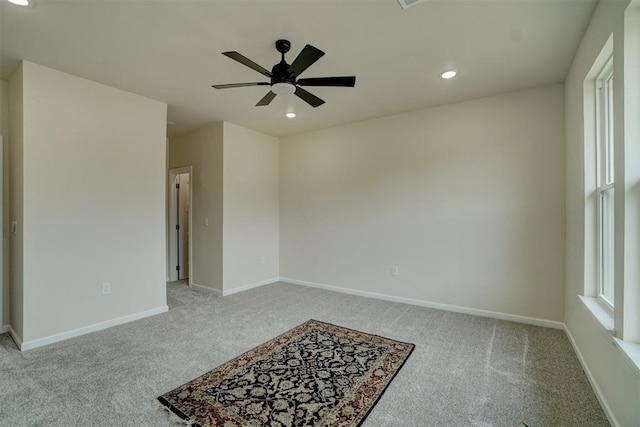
(604, 318)
(630, 351)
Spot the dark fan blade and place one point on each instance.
(309, 98)
(329, 81)
(249, 63)
(307, 56)
(241, 85)
(266, 100)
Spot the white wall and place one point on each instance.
(202, 149)
(618, 384)
(466, 199)
(93, 203)
(251, 229)
(4, 131)
(16, 181)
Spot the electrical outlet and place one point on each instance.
(106, 288)
(395, 271)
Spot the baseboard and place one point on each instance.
(250, 286)
(28, 345)
(455, 308)
(215, 291)
(594, 385)
(4, 329)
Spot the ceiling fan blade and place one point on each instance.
(266, 100)
(227, 86)
(305, 59)
(249, 63)
(346, 81)
(309, 98)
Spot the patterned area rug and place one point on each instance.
(317, 374)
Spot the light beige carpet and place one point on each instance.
(464, 371)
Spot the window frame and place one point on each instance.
(605, 200)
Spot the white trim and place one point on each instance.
(605, 322)
(631, 352)
(455, 308)
(14, 336)
(600, 313)
(216, 291)
(171, 220)
(594, 385)
(250, 286)
(28, 345)
(4, 329)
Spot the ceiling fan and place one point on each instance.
(284, 77)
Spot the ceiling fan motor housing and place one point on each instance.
(281, 74)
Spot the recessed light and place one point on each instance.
(290, 115)
(448, 74)
(19, 2)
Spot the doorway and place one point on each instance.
(179, 225)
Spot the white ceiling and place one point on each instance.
(170, 51)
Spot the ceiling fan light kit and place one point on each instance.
(283, 88)
(284, 76)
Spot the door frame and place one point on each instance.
(4, 327)
(172, 206)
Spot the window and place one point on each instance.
(613, 156)
(605, 184)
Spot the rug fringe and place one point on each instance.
(173, 417)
